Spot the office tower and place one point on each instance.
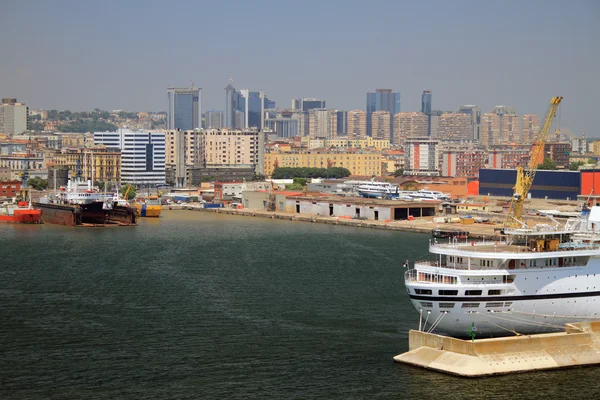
(421, 157)
(185, 108)
(142, 154)
(252, 104)
(409, 125)
(13, 117)
(322, 123)
(307, 104)
(342, 123)
(382, 100)
(214, 119)
(381, 125)
(426, 108)
(454, 126)
(231, 101)
(475, 113)
(269, 104)
(285, 123)
(531, 127)
(357, 125)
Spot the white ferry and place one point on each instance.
(532, 281)
(378, 190)
(425, 194)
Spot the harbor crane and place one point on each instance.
(526, 175)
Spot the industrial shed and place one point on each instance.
(560, 185)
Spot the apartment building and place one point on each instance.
(454, 126)
(97, 163)
(462, 162)
(409, 125)
(357, 125)
(421, 157)
(358, 163)
(322, 123)
(380, 125)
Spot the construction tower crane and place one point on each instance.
(526, 175)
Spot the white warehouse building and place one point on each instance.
(142, 155)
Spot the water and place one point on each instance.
(199, 305)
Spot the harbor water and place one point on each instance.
(202, 305)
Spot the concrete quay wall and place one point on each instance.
(418, 225)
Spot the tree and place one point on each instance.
(299, 184)
(258, 177)
(592, 161)
(207, 178)
(399, 172)
(575, 165)
(130, 190)
(548, 164)
(290, 173)
(37, 183)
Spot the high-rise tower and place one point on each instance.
(185, 108)
(426, 108)
(382, 100)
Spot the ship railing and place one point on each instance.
(502, 266)
(413, 275)
(591, 242)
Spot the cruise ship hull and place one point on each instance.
(538, 300)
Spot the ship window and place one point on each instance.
(448, 292)
(472, 292)
(427, 304)
(470, 305)
(446, 305)
(493, 305)
(509, 303)
(422, 291)
(494, 292)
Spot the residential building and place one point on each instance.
(382, 100)
(18, 163)
(357, 125)
(421, 157)
(227, 147)
(426, 108)
(508, 157)
(322, 123)
(97, 163)
(464, 162)
(308, 104)
(531, 127)
(357, 162)
(142, 155)
(381, 128)
(214, 119)
(13, 117)
(579, 144)
(500, 127)
(10, 188)
(367, 143)
(475, 113)
(409, 125)
(5, 174)
(185, 108)
(181, 152)
(454, 126)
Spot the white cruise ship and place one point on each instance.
(532, 281)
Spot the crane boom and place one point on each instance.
(525, 176)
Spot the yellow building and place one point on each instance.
(72, 140)
(343, 143)
(96, 163)
(357, 163)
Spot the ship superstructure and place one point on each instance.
(528, 281)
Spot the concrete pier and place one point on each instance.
(578, 345)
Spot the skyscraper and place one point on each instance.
(307, 104)
(426, 108)
(214, 119)
(382, 100)
(322, 123)
(342, 122)
(231, 99)
(185, 108)
(252, 104)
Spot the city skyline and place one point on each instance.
(491, 57)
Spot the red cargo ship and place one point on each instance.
(21, 213)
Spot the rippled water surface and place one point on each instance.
(199, 305)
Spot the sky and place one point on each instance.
(122, 55)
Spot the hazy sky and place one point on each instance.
(115, 54)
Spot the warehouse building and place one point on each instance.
(560, 185)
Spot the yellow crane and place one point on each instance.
(525, 176)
